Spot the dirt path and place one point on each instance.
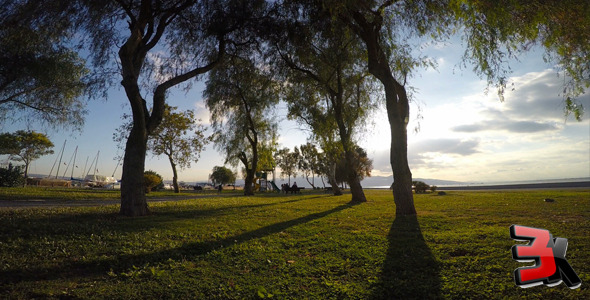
(90, 202)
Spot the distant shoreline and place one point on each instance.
(511, 186)
(520, 186)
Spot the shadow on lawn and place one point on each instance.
(123, 263)
(97, 223)
(410, 270)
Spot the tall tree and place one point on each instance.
(390, 61)
(159, 45)
(240, 97)
(493, 31)
(25, 146)
(328, 60)
(180, 139)
(288, 161)
(41, 78)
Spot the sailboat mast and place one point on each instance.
(91, 164)
(60, 157)
(74, 165)
(54, 162)
(69, 163)
(85, 165)
(118, 162)
(96, 165)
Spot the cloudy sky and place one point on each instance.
(464, 133)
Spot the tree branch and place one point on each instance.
(160, 92)
(309, 73)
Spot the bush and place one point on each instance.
(433, 188)
(11, 176)
(420, 187)
(152, 181)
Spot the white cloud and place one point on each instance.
(477, 138)
(533, 106)
(202, 112)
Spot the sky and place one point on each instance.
(457, 131)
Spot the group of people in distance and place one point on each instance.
(293, 189)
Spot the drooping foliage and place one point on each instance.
(325, 69)
(240, 96)
(43, 80)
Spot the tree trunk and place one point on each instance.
(250, 169)
(332, 181)
(358, 196)
(402, 177)
(398, 111)
(174, 176)
(249, 185)
(310, 182)
(133, 200)
(398, 114)
(26, 174)
(356, 189)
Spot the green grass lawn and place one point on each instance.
(312, 246)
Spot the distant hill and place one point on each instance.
(382, 181)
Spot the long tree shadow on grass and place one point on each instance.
(125, 262)
(410, 270)
(98, 223)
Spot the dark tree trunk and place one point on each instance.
(398, 111)
(26, 174)
(248, 186)
(356, 189)
(402, 177)
(250, 170)
(174, 176)
(254, 163)
(133, 200)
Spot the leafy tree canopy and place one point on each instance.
(41, 78)
(222, 175)
(240, 95)
(25, 146)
